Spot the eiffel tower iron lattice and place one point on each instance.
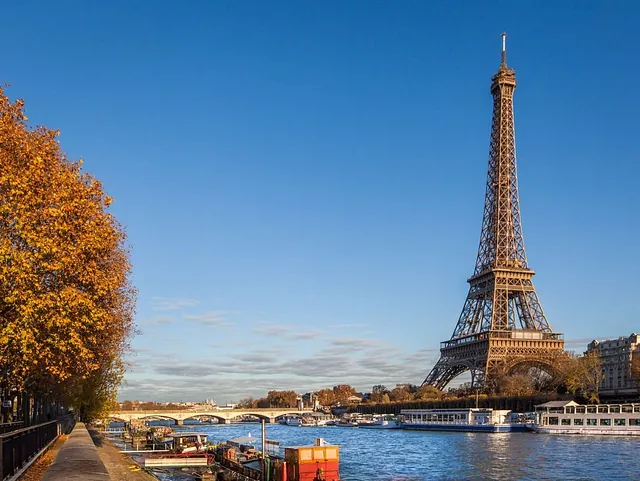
(502, 323)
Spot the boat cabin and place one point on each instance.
(466, 416)
(570, 413)
(188, 442)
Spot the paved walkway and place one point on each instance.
(77, 459)
(88, 456)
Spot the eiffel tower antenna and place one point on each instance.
(502, 324)
(504, 49)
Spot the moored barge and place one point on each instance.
(318, 462)
(569, 417)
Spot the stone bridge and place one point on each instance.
(223, 416)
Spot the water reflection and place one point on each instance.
(395, 455)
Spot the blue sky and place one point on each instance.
(302, 182)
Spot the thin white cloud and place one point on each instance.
(209, 318)
(158, 320)
(171, 303)
(272, 330)
(362, 363)
(305, 335)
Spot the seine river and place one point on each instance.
(397, 455)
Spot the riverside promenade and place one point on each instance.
(88, 456)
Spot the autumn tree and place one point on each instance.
(342, 391)
(377, 392)
(326, 397)
(584, 375)
(427, 393)
(247, 403)
(635, 365)
(282, 399)
(66, 299)
(402, 392)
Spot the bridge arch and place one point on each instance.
(161, 417)
(255, 415)
(220, 419)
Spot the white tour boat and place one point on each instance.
(291, 421)
(569, 417)
(380, 422)
(465, 419)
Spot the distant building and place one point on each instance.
(617, 356)
(354, 399)
(310, 400)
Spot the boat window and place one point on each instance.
(578, 422)
(603, 409)
(592, 422)
(636, 409)
(634, 422)
(570, 410)
(553, 420)
(566, 422)
(592, 409)
(627, 409)
(620, 422)
(580, 409)
(605, 422)
(614, 409)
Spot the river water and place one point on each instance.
(398, 455)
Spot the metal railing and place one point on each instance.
(8, 427)
(19, 446)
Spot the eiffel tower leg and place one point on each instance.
(443, 373)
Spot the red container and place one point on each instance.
(309, 463)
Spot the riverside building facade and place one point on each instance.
(617, 356)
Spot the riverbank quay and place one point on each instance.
(120, 466)
(88, 456)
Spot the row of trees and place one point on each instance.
(341, 393)
(66, 299)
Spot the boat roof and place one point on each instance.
(313, 446)
(187, 434)
(318, 443)
(557, 404)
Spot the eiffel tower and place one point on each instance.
(502, 324)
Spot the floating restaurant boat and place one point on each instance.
(569, 417)
(467, 420)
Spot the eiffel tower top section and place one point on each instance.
(501, 242)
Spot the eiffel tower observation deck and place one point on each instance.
(502, 325)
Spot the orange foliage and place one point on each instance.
(66, 301)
